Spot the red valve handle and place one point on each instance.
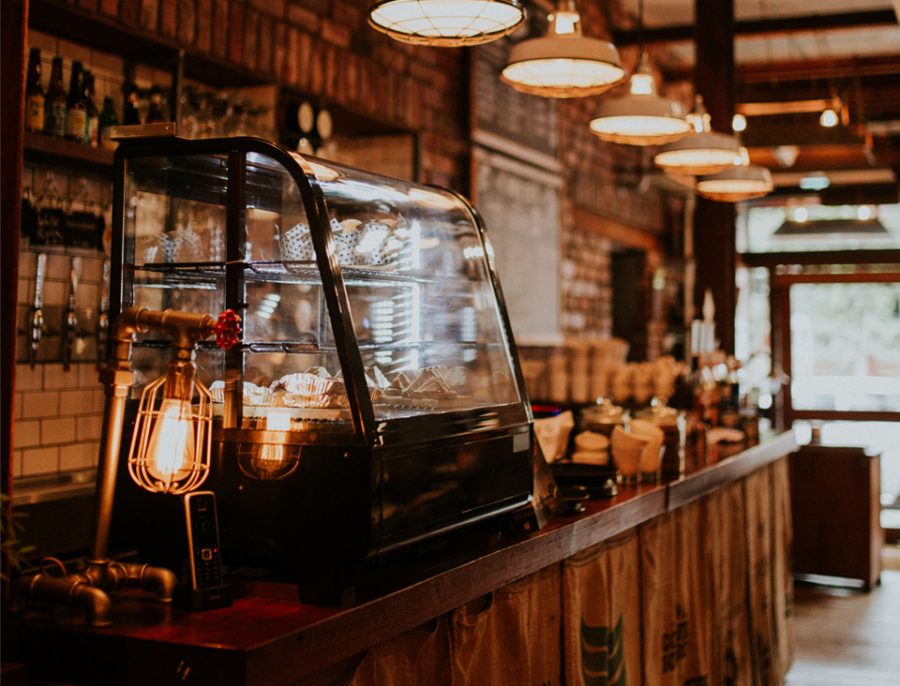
(228, 329)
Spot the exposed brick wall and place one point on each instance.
(604, 179)
(325, 48)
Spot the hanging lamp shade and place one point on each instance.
(564, 63)
(702, 152)
(741, 181)
(641, 117)
(446, 23)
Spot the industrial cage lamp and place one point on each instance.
(564, 63)
(170, 454)
(446, 23)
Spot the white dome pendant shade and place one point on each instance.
(564, 63)
(701, 152)
(642, 117)
(741, 181)
(446, 23)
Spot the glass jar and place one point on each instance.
(673, 424)
(602, 417)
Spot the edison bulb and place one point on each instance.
(171, 451)
(273, 461)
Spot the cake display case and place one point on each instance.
(374, 399)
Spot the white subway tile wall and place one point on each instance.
(58, 420)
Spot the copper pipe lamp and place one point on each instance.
(170, 453)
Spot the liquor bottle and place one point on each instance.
(130, 113)
(76, 115)
(107, 120)
(155, 113)
(92, 115)
(730, 394)
(34, 93)
(55, 103)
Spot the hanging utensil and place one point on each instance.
(103, 314)
(71, 314)
(37, 313)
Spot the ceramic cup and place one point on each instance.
(346, 238)
(651, 455)
(372, 247)
(297, 244)
(627, 449)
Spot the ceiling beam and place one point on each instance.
(763, 27)
(829, 68)
(802, 70)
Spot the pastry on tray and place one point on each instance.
(252, 394)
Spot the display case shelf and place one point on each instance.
(301, 272)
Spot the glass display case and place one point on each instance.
(375, 397)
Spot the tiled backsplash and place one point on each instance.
(58, 413)
(58, 419)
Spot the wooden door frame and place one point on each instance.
(780, 308)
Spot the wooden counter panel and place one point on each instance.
(732, 463)
(267, 637)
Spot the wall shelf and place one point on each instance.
(47, 149)
(107, 34)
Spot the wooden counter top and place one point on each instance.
(267, 637)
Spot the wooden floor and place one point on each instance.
(849, 638)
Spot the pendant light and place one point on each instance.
(741, 181)
(701, 152)
(564, 63)
(446, 23)
(641, 117)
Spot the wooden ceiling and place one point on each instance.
(789, 51)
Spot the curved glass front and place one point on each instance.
(199, 236)
(424, 311)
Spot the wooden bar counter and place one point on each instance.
(266, 637)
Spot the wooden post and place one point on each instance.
(12, 97)
(714, 229)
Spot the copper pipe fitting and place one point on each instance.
(74, 589)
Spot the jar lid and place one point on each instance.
(603, 411)
(659, 413)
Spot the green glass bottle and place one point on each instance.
(108, 119)
(92, 114)
(55, 104)
(76, 113)
(34, 94)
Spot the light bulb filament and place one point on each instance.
(171, 450)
